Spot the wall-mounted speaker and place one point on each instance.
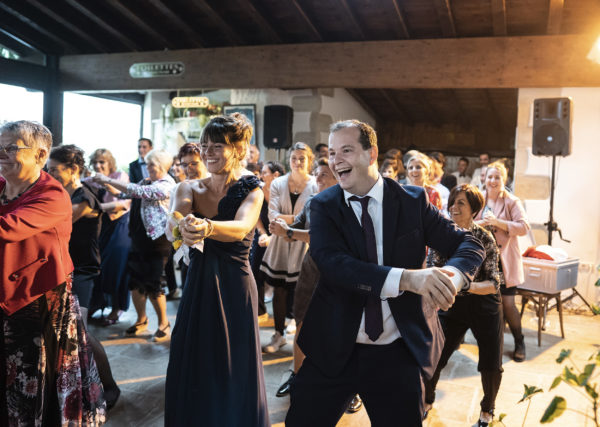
(278, 120)
(552, 119)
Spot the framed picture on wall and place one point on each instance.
(249, 110)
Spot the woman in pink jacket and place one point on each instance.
(505, 216)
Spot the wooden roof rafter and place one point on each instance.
(353, 20)
(402, 29)
(93, 15)
(307, 20)
(260, 19)
(212, 15)
(496, 117)
(555, 12)
(191, 34)
(140, 23)
(389, 96)
(30, 24)
(444, 13)
(499, 17)
(356, 94)
(66, 23)
(463, 119)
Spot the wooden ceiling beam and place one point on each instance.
(353, 19)
(307, 20)
(555, 12)
(494, 116)
(258, 17)
(68, 24)
(420, 96)
(463, 118)
(93, 16)
(140, 23)
(398, 109)
(38, 27)
(192, 35)
(444, 13)
(490, 62)
(212, 15)
(16, 45)
(499, 17)
(26, 35)
(355, 93)
(402, 28)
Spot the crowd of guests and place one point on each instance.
(245, 226)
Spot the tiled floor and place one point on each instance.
(139, 367)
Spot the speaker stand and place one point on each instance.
(553, 226)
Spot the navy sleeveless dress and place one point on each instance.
(215, 374)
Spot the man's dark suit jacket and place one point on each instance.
(337, 245)
(135, 172)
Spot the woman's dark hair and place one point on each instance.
(473, 195)
(234, 129)
(275, 167)
(389, 163)
(69, 155)
(189, 148)
(322, 162)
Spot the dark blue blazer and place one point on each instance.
(410, 223)
(135, 172)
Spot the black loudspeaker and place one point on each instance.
(552, 118)
(278, 126)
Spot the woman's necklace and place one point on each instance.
(4, 200)
(296, 188)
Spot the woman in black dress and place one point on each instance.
(478, 308)
(215, 367)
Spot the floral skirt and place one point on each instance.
(51, 376)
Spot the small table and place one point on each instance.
(541, 299)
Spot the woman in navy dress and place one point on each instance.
(215, 367)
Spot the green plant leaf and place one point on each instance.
(556, 382)
(585, 375)
(501, 417)
(591, 391)
(563, 355)
(554, 410)
(595, 309)
(570, 377)
(597, 283)
(529, 392)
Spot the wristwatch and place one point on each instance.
(290, 233)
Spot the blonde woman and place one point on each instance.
(418, 171)
(504, 215)
(282, 260)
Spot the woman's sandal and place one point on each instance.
(137, 328)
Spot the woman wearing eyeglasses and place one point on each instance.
(47, 372)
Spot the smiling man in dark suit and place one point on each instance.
(372, 326)
(137, 168)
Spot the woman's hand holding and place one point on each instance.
(490, 219)
(100, 179)
(278, 227)
(263, 240)
(194, 230)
